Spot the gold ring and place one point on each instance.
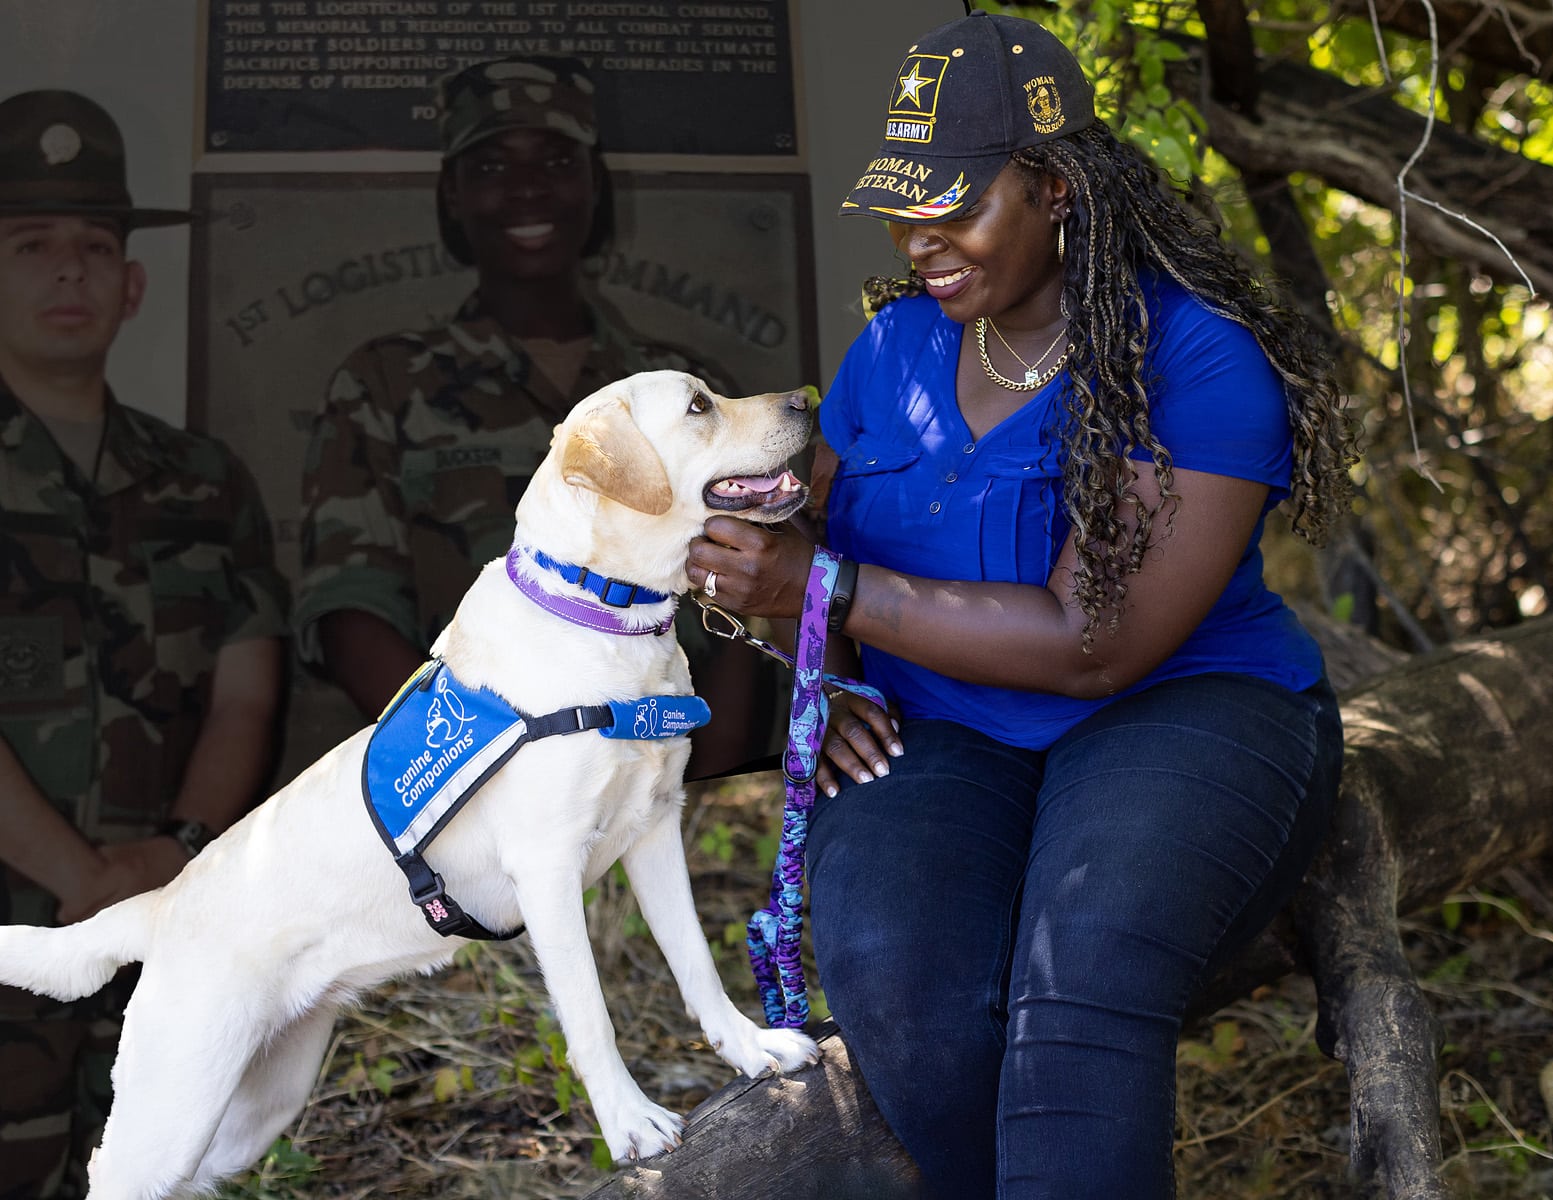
(710, 586)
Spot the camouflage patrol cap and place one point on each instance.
(517, 93)
(61, 153)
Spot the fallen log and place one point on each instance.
(1447, 778)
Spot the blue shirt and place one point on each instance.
(916, 493)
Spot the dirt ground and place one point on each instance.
(455, 1086)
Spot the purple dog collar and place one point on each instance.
(587, 613)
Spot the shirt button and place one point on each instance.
(933, 507)
(871, 462)
(951, 477)
(970, 447)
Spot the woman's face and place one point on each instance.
(525, 201)
(999, 260)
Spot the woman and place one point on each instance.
(1116, 749)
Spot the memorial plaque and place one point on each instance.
(683, 77)
(292, 272)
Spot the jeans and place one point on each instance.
(1008, 938)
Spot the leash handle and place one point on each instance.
(775, 933)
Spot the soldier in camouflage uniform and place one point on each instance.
(140, 618)
(426, 440)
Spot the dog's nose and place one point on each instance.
(802, 399)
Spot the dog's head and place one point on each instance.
(656, 454)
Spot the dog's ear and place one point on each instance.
(606, 453)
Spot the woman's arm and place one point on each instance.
(1015, 635)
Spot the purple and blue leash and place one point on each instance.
(775, 933)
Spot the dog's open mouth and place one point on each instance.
(775, 496)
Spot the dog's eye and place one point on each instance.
(699, 403)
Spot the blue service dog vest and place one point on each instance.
(439, 740)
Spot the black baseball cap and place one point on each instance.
(967, 96)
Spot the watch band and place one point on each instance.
(193, 836)
(841, 596)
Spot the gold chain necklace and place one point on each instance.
(1033, 379)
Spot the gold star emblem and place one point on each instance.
(913, 84)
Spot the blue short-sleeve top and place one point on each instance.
(916, 493)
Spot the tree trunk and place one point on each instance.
(1447, 778)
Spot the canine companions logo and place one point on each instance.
(914, 108)
(661, 717)
(440, 730)
(447, 732)
(1044, 103)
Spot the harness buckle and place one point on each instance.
(433, 889)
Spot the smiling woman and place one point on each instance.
(427, 439)
(1111, 751)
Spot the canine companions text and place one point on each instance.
(249, 954)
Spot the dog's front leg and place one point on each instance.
(633, 1126)
(655, 865)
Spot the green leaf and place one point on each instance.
(446, 1085)
(381, 1076)
(287, 1160)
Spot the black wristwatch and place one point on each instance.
(841, 596)
(191, 835)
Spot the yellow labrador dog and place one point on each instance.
(252, 950)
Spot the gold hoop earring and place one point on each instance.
(1062, 242)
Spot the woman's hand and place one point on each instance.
(860, 739)
(762, 570)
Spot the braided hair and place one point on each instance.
(1125, 219)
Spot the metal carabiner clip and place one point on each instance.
(736, 632)
(733, 631)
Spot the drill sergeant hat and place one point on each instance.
(62, 154)
(967, 96)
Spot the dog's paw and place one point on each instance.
(789, 1048)
(756, 1051)
(646, 1131)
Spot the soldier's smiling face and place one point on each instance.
(65, 288)
(525, 201)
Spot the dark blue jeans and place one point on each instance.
(1009, 938)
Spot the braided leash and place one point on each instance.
(775, 933)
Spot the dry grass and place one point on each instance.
(454, 1087)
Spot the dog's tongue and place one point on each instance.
(735, 484)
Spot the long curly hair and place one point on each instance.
(1126, 220)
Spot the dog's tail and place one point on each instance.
(76, 960)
